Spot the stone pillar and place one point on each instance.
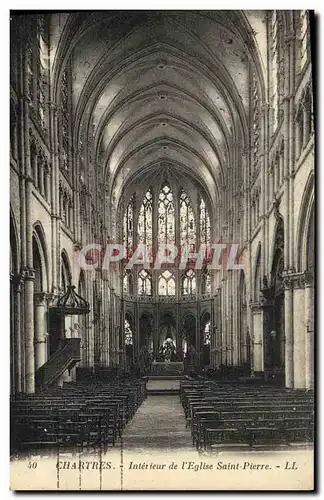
(291, 41)
(299, 333)
(309, 332)
(54, 193)
(29, 275)
(18, 282)
(289, 337)
(40, 329)
(257, 338)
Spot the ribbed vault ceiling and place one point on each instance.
(164, 88)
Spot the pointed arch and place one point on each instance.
(188, 283)
(167, 284)
(305, 226)
(144, 282)
(66, 274)
(204, 223)
(166, 215)
(128, 225)
(187, 221)
(40, 258)
(145, 221)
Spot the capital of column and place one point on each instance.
(50, 298)
(255, 307)
(28, 274)
(40, 298)
(297, 280)
(308, 279)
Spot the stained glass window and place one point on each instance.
(256, 121)
(166, 283)
(38, 67)
(206, 283)
(166, 216)
(187, 222)
(144, 225)
(304, 36)
(274, 70)
(207, 333)
(42, 68)
(128, 334)
(204, 223)
(127, 282)
(189, 283)
(65, 118)
(144, 283)
(128, 226)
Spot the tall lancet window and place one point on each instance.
(128, 226)
(274, 68)
(256, 122)
(144, 283)
(128, 334)
(166, 216)
(189, 283)
(204, 220)
(167, 283)
(43, 60)
(187, 222)
(144, 225)
(206, 282)
(303, 37)
(207, 333)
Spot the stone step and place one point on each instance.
(166, 377)
(162, 392)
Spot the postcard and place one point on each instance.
(162, 257)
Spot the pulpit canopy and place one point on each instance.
(71, 303)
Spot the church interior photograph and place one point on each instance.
(162, 256)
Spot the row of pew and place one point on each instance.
(77, 417)
(223, 417)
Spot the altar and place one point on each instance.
(174, 368)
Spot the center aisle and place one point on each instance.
(158, 424)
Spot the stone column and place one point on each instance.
(18, 283)
(289, 337)
(29, 276)
(291, 40)
(257, 338)
(54, 194)
(40, 329)
(309, 331)
(299, 333)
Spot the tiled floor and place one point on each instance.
(158, 423)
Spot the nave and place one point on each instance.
(204, 415)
